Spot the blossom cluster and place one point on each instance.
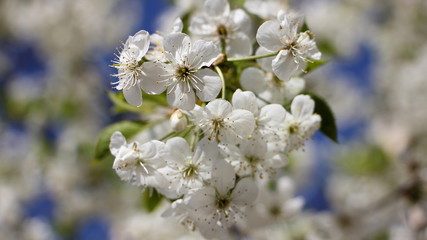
(223, 153)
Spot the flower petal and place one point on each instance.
(178, 150)
(154, 82)
(211, 84)
(178, 44)
(217, 8)
(239, 46)
(265, 63)
(218, 108)
(272, 114)
(242, 122)
(241, 21)
(268, 35)
(182, 97)
(302, 107)
(245, 100)
(133, 95)
(284, 65)
(116, 141)
(245, 192)
(203, 54)
(223, 177)
(294, 86)
(252, 79)
(141, 40)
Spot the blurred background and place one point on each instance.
(54, 80)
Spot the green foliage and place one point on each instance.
(127, 128)
(150, 199)
(367, 161)
(314, 64)
(328, 126)
(304, 27)
(149, 103)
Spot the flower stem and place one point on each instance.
(218, 70)
(252, 57)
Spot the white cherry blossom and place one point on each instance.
(218, 24)
(301, 123)
(187, 170)
(136, 163)
(267, 118)
(268, 87)
(221, 123)
(184, 75)
(129, 66)
(215, 208)
(294, 49)
(254, 158)
(275, 206)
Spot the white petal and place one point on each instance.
(178, 150)
(284, 65)
(293, 206)
(178, 44)
(285, 187)
(178, 25)
(142, 41)
(302, 107)
(308, 46)
(153, 152)
(254, 148)
(203, 53)
(206, 151)
(218, 108)
(295, 86)
(217, 8)
(196, 115)
(153, 82)
(272, 114)
(211, 84)
(241, 122)
(245, 192)
(265, 63)
(245, 100)
(241, 21)
(253, 79)
(201, 25)
(182, 97)
(116, 141)
(239, 45)
(268, 35)
(133, 95)
(223, 177)
(200, 199)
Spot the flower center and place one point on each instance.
(222, 202)
(293, 128)
(275, 211)
(252, 159)
(190, 171)
(183, 73)
(222, 31)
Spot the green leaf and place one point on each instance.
(371, 160)
(304, 27)
(127, 128)
(328, 126)
(314, 64)
(149, 103)
(150, 199)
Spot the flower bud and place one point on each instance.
(178, 121)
